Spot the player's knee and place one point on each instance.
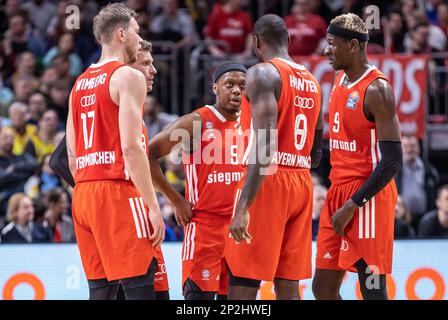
(191, 291)
(324, 291)
(101, 289)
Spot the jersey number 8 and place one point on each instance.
(300, 131)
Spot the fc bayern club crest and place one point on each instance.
(352, 100)
(209, 125)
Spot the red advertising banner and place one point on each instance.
(408, 75)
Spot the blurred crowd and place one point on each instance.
(41, 54)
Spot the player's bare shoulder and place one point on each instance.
(125, 78)
(379, 98)
(263, 77)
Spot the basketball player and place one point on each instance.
(356, 226)
(117, 218)
(59, 163)
(287, 126)
(212, 171)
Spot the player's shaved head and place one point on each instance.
(271, 30)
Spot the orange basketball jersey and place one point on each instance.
(95, 119)
(354, 151)
(213, 170)
(298, 110)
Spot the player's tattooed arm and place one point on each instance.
(184, 131)
(263, 86)
(380, 108)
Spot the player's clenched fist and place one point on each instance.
(240, 224)
(158, 234)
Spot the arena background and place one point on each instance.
(46, 44)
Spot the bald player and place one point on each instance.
(285, 119)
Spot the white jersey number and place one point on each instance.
(336, 124)
(88, 134)
(300, 131)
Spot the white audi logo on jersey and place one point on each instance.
(87, 101)
(306, 103)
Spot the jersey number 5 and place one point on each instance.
(88, 134)
(300, 131)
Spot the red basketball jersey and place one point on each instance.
(354, 151)
(95, 119)
(213, 170)
(298, 111)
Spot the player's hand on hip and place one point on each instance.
(240, 224)
(183, 211)
(158, 226)
(343, 216)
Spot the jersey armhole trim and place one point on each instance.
(364, 97)
(108, 85)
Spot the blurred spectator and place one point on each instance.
(155, 119)
(65, 46)
(24, 88)
(61, 62)
(316, 179)
(403, 219)
(22, 131)
(14, 170)
(44, 141)
(394, 32)
(39, 211)
(37, 105)
(231, 24)
(22, 228)
(174, 25)
(43, 181)
(307, 30)
(52, 31)
(423, 37)
(49, 76)
(319, 196)
(431, 10)
(417, 182)
(19, 38)
(59, 95)
(434, 224)
(442, 17)
(199, 10)
(40, 13)
(57, 216)
(25, 66)
(175, 175)
(172, 231)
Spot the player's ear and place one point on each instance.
(289, 39)
(215, 88)
(354, 45)
(121, 34)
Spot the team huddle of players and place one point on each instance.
(246, 218)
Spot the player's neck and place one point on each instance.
(111, 53)
(228, 115)
(357, 69)
(279, 53)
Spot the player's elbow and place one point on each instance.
(131, 152)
